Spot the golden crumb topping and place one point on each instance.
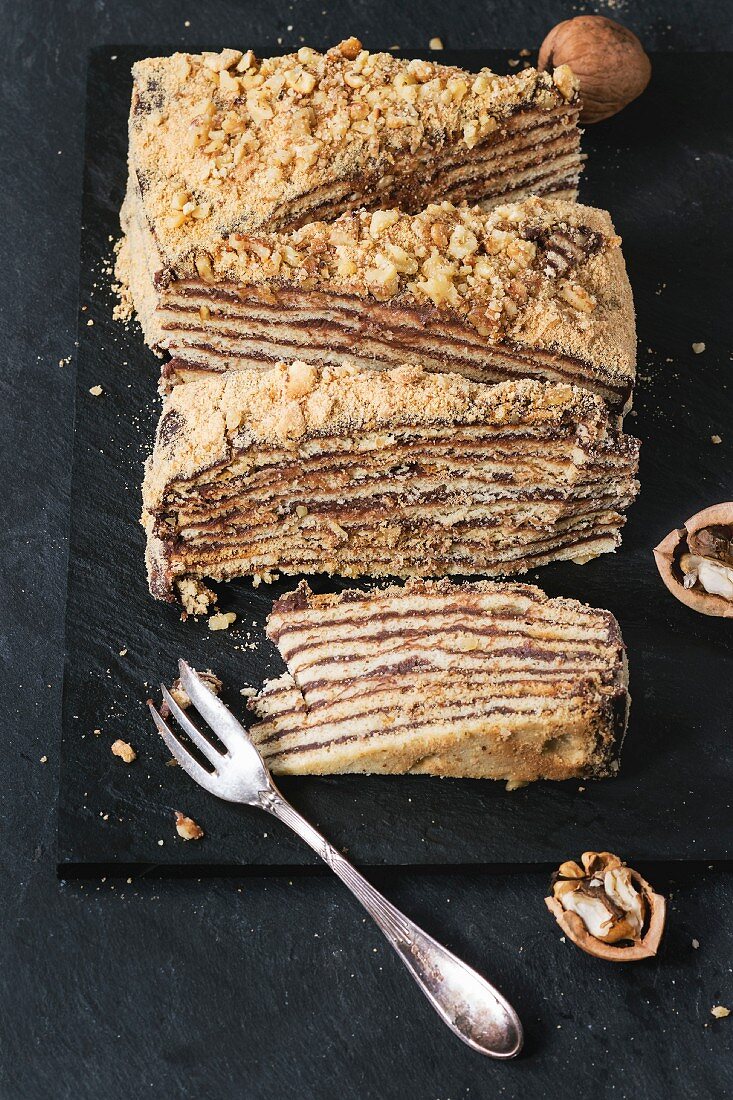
(222, 142)
(519, 264)
(203, 423)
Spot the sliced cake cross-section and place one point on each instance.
(532, 289)
(378, 473)
(482, 680)
(224, 143)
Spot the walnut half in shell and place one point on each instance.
(606, 908)
(696, 561)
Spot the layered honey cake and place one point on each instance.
(306, 469)
(225, 142)
(531, 289)
(482, 680)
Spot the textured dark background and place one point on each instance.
(268, 988)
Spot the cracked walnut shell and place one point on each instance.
(696, 561)
(606, 908)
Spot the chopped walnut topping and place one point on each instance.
(204, 268)
(381, 220)
(350, 48)
(187, 828)
(565, 81)
(222, 139)
(124, 751)
(577, 297)
(487, 266)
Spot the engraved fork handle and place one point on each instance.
(467, 1003)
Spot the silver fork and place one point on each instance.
(470, 1006)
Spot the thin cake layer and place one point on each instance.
(482, 680)
(225, 143)
(533, 289)
(395, 473)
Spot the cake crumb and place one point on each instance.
(698, 347)
(436, 43)
(195, 596)
(124, 751)
(96, 391)
(187, 828)
(222, 620)
(719, 1012)
(181, 697)
(44, 760)
(715, 439)
(695, 944)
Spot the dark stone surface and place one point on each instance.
(216, 989)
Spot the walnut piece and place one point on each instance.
(606, 908)
(222, 620)
(124, 751)
(607, 59)
(187, 828)
(696, 561)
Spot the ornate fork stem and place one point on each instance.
(466, 1001)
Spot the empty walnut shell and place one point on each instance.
(644, 947)
(677, 543)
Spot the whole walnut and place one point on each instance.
(608, 60)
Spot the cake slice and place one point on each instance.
(531, 289)
(483, 680)
(377, 473)
(224, 142)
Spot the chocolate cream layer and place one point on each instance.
(396, 473)
(482, 680)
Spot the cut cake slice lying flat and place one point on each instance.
(533, 289)
(378, 473)
(482, 680)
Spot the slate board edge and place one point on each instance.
(66, 866)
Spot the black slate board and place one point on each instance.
(663, 167)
